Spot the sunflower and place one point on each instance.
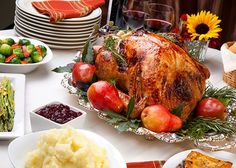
(204, 25)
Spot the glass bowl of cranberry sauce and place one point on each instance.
(56, 115)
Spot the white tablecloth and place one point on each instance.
(43, 86)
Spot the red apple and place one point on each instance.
(156, 118)
(211, 107)
(83, 72)
(104, 96)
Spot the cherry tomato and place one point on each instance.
(211, 107)
(83, 72)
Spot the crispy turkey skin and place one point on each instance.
(157, 72)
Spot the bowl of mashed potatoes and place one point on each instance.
(64, 148)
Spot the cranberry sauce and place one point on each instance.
(58, 113)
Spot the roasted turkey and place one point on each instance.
(157, 71)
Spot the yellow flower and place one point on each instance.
(204, 25)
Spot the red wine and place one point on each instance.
(134, 19)
(157, 25)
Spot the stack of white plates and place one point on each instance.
(67, 34)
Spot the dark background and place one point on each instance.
(225, 9)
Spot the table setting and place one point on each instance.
(75, 93)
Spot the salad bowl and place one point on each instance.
(25, 68)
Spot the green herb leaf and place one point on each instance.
(132, 124)
(123, 126)
(87, 54)
(130, 106)
(220, 93)
(77, 59)
(114, 121)
(62, 69)
(178, 110)
(224, 101)
(113, 82)
(83, 94)
(114, 115)
(110, 44)
(199, 127)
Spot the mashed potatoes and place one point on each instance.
(66, 148)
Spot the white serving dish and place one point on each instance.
(18, 84)
(175, 160)
(18, 148)
(25, 68)
(39, 123)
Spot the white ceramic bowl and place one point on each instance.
(19, 147)
(25, 68)
(39, 123)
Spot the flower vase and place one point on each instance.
(197, 49)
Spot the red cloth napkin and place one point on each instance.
(60, 9)
(148, 164)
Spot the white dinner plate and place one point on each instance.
(53, 32)
(69, 47)
(53, 38)
(26, 6)
(19, 147)
(86, 28)
(48, 39)
(178, 158)
(18, 84)
(36, 18)
(56, 46)
(64, 26)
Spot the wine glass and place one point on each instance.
(133, 13)
(159, 18)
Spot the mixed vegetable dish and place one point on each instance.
(21, 52)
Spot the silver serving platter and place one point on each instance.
(211, 142)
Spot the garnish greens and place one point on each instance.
(7, 105)
(87, 54)
(110, 45)
(122, 123)
(199, 127)
(83, 94)
(224, 94)
(62, 69)
(130, 106)
(178, 110)
(112, 82)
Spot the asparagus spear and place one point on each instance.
(7, 105)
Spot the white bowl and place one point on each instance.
(25, 68)
(19, 147)
(39, 123)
